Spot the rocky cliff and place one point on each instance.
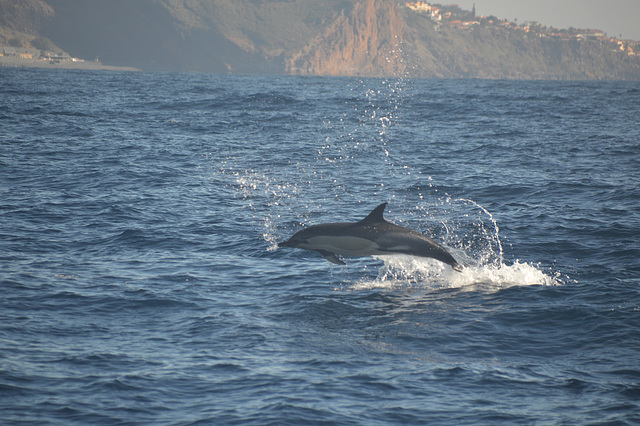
(362, 41)
(309, 37)
(383, 38)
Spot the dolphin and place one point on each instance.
(371, 236)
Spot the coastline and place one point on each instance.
(15, 62)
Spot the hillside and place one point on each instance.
(189, 35)
(331, 37)
(20, 21)
(493, 48)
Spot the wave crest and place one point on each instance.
(403, 271)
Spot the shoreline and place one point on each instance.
(13, 62)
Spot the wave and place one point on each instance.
(404, 271)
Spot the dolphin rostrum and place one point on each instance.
(373, 235)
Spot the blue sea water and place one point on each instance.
(141, 281)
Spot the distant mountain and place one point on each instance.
(190, 35)
(329, 37)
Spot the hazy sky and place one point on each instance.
(614, 17)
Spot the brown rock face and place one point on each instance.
(363, 41)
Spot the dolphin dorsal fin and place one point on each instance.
(375, 215)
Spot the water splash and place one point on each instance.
(409, 272)
(472, 235)
(279, 202)
(495, 237)
(364, 131)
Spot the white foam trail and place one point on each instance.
(407, 271)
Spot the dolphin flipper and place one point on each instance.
(331, 257)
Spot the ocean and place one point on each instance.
(141, 282)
